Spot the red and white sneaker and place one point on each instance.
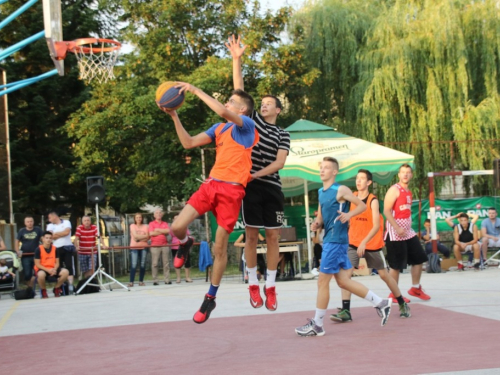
(394, 300)
(44, 293)
(419, 293)
(271, 302)
(460, 267)
(58, 292)
(255, 298)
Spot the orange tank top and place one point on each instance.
(232, 161)
(362, 224)
(47, 259)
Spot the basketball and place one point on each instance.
(168, 97)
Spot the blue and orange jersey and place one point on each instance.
(234, 145)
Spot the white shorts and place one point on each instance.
(493, 243)
(468, 249)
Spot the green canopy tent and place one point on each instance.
(310, 142)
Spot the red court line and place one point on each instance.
(432, 340)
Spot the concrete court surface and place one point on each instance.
(149, 331)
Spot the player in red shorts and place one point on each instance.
(223, 192)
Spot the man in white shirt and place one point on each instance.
(61, 235)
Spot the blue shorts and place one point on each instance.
(334, 257)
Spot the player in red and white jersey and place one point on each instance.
(401, 241)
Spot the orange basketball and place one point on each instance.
(169, 97)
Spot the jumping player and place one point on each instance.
(263, 205)
(334, 215)
(224, 190)
(366, 241)
(401, 241)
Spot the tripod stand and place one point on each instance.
(100, 270)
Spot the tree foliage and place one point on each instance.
(42, 160)
(120, 131)
(410, 71)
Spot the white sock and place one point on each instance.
(252, 276)
(416, 286)
(320, 315)
(460, 262)
(271, 278)
(476, 261)
(373, 298)
(184, 240)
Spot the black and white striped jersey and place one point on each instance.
(272, 138)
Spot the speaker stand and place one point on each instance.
(100, 270)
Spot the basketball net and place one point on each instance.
(96, 59)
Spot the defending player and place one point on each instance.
(263, 205)
(334, 215)
(224, 190)
(366, 241)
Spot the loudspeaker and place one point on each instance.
(95, 190)
(496, 173)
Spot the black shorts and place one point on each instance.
(51, 278)
(67, 258)
(402, 253)
(263, 206)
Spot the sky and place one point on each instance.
(276, 4)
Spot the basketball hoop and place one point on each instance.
(96, 57)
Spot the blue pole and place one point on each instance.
(16, 47)
(26, 82)
(18, 12)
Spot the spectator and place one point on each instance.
(466, 240)
(29, 237)
(61, 236)
(317, 240)
(187, 264)
(426, 236)
(449, 220)
(158, 231)
(6, 276)
(261, 261)
(47, 265)
(85, 244)
(2, 244)
(490, 232)
(139, 236)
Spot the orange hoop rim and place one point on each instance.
(76, 45)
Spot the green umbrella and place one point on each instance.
(311, 142)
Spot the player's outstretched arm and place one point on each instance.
(237, 50)
(187, 140)
(213, 103)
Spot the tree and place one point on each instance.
(42, 160)
(120, 131)
(414, 71)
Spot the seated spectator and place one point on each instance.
(47, 266)
(465, 235)
(2, 244)
(472, 217)
(426, 236)
(29, 238)
(261, 261)
(6, 276)
(490, 232)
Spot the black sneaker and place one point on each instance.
(202, 315)
(183, 253)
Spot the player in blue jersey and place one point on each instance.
(334, 215)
